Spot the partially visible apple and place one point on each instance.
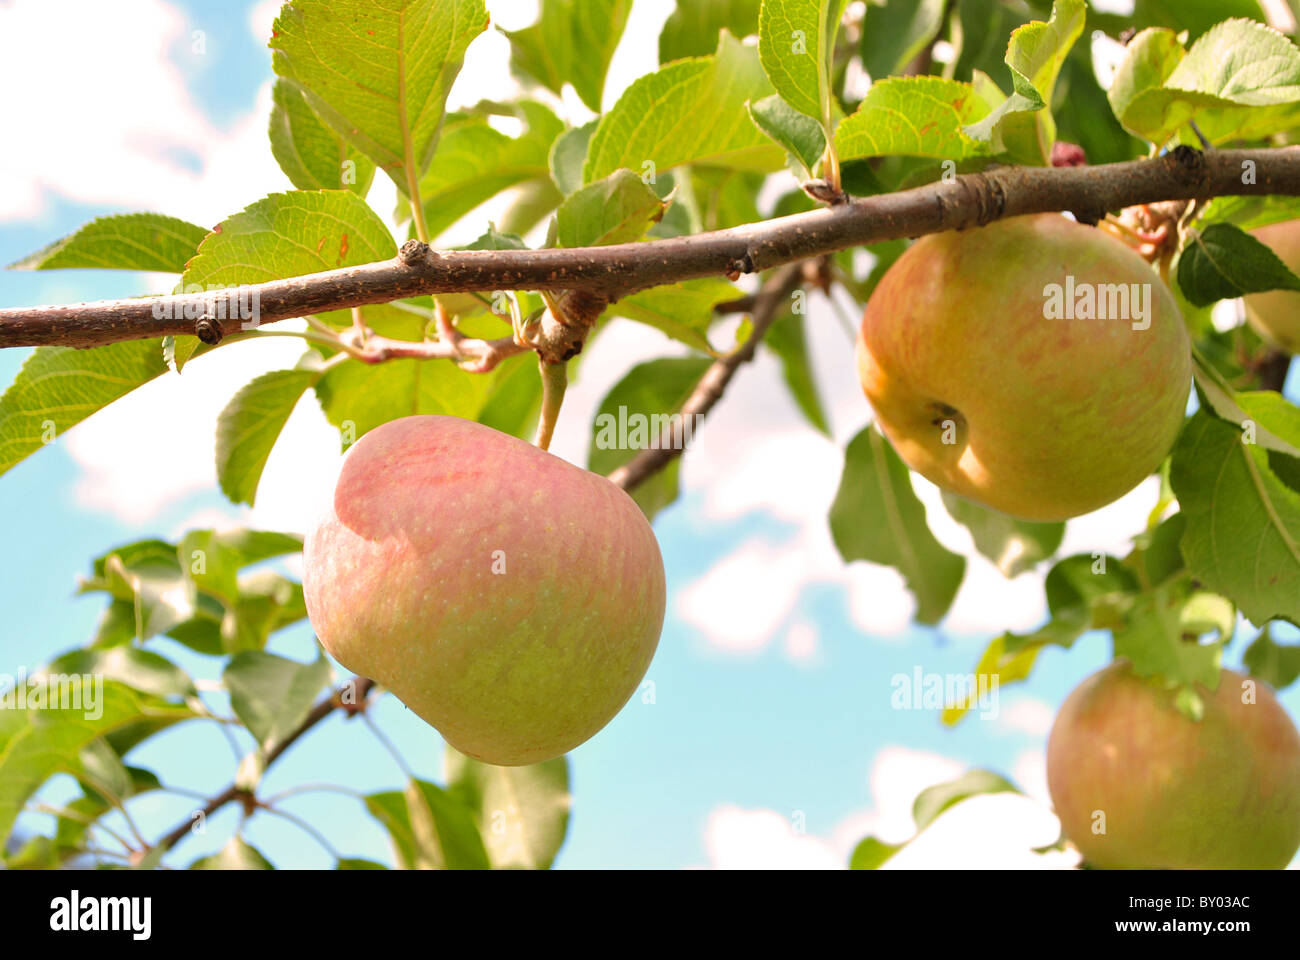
(987, 394)
(1138, 785)
(1275, 315)
(511, 599)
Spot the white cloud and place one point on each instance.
(129, 101)
(1030, 774)
(743, 599)
(802, 643)
(156, 446)
(738, 839)
(1028, 715)
(996, 831)
(261, 17)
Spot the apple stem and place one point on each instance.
(555, 379)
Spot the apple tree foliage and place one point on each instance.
(724, 132)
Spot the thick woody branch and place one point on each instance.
(616, 271)
(769, 303)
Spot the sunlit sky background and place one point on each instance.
(770, 740)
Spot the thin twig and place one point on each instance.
(770, 299)
(323, 709)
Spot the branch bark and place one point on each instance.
(767, 307)
(615, 271)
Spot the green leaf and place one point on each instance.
(1083, 593)
(1220, 400)
(1020, 126)
(141, 670)
(871, 853)
(429, 828)
(573, 42)
(800, 135)
(357, 397)
(36, 744)
(192, 591)
(357, 863)
(877, 517)
(238, 854)
(1097, 586)
(1240, 79)
(1243, 522)
(618, 209)
(521, 812)
(693, 27)
(212, 567)
(1012, 544)
(1151, 56)
(146, 576)
(895, 32)
(312, 155)
(254, 546)
(1222, 262)
(250, 425)
(796, 43)
(1248, 213)
(1161, 634)
(1276, 664)
(132, 241)
(915, 117)
(70, 831)
(723, 198)
(291, 234)
(645, 131)
(632, 417)
(569, 155)
(475, 162)
(58, 387)
(272, 695)
(933, 801)
(683, 310)
(378, 74)
(1011, 657)
(787, 339)
(287, 235)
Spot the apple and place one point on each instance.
(1275, 315)
(511, 599)
(1139, 785)
(1036, 366)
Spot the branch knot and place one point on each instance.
(414, 253)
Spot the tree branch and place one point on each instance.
(618, 270)
(767, 307)
(359, 687)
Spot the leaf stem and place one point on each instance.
(555, 380)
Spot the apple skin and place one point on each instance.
(1275, 315)
(1054, 418)
(511, 668)
(1221, 793)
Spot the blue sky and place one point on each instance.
(770, 739)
